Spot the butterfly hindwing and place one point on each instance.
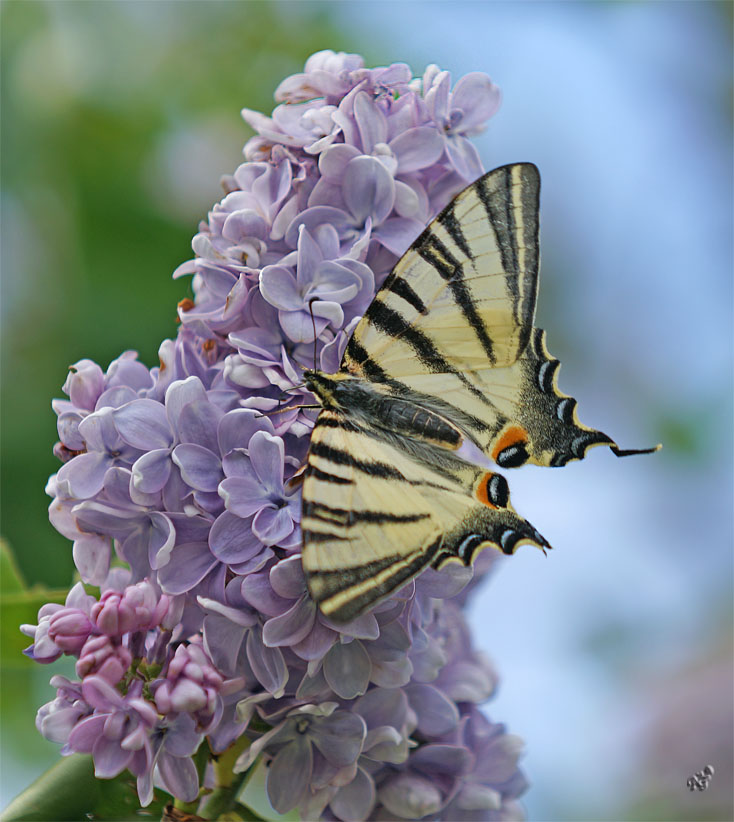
(374, 516)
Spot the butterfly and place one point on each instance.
(444, 372)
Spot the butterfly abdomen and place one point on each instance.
(364, 402)
(401, 417)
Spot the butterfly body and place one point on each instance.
(403, 414)
(444, 373)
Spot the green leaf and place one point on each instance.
(18, 605)
(11, 579)
(69, 792)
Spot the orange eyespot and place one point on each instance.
(509, 449)
(511, 435)
(492, 490)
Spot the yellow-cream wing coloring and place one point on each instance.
(376, 514)
(454, 319)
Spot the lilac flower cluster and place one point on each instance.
(182, 495)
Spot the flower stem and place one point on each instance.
(228, 784)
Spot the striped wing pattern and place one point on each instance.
(455, 319)
(446, 350)
(464, 294)
(373, 517)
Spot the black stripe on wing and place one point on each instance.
(326, 476)
(349, 517)
(403, 289)
(437, 255)
(372, 467)
(394, 325)
(447, 218)
(496, 193)
(325, 585)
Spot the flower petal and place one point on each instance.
(85, 474)
(92, 558)
(417, 148)
(410, 797)
(339, 737)
(437, 715)
(143, 424)
(151, 471)
(368, 189)
(355, 800)
(287, 578)
(231, 539)
(280, 289)
(200, 468)
(179, 776)
(271, 525)
(292, 626)
(243, 496)
(477, 97)
(109, 758)
(347, 669)
(236, 428)
(289, 774)
(267, 454)
(188, 565)
(198, 422)
(267, 664)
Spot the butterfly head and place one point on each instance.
(320, 384)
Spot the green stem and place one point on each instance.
(228, 783)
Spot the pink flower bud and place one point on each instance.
(101, 656)
(191, 685)
(137, 608)
(69, 628)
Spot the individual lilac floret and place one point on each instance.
(313, 738)
(474, 100)
(294, 620)
(56, 719)
(61, 628)
(117, 734)
(254, 488)
(494, 780)
(325, 289)
(190, 685)
(104, 657)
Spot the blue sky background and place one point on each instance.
(625, 109)
(615, 651)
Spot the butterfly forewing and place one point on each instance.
(455, 319)
(464, 294)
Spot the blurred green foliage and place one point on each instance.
(70, 791)
(118, 120)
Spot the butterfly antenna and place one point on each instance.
(313, 322)
(283, 410)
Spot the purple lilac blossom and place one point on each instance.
(180, 489)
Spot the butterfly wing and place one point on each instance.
(454, 320)
(374, 516)
(464, 294)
